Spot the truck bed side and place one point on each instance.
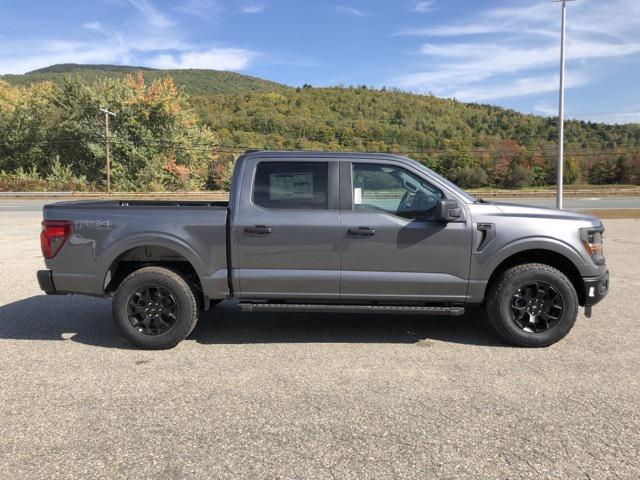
(109, 237)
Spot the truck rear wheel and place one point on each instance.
(154, 308)
(532, 305)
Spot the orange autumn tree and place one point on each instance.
(156, 141)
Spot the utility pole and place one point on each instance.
(561, 106)
(106, 145)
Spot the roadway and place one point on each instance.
(578, 203)
(570, 203)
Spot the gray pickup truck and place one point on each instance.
(327, 232)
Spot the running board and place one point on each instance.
(314, 307)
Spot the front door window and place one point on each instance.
(393, 190)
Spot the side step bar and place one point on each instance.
(314, 307)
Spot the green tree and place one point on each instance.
(156, 141)
(24, 124)
(518, 176)
(473, 177)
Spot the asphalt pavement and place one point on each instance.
(313, 396)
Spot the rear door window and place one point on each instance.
(291, 185)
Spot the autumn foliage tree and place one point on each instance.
(156, 140)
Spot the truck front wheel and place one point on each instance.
(154, 308)
(532, 305)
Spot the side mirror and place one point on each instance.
(448, 210)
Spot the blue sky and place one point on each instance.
(489, 51)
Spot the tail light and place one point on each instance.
(54, 234)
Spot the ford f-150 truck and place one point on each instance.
(327, 232)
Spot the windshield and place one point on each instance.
(452, 186)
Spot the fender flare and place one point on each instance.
(155, 239)
(532, 243)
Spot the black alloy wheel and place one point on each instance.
(152, 309)
(537, 306)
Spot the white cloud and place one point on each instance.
(249, 9)
(146, 39)
(351, 11)
(34, 55)
(517, 88)
(515, 51)
(423, 7)
(207, 9)
(214, 58)
(97, 26)
(151, 14)
(546, 109)
(449, 30)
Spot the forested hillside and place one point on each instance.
(472, 144)
(207, 116)
(192, 82)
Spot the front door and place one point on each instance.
(393, 249)
(287, 230)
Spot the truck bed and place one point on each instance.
(106, 233)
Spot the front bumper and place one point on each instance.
(595, 289)
(45, 280)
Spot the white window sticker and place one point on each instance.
(357, 196)
(283, 186)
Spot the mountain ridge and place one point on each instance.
(192, 81)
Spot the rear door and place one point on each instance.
(393, 249)
(287, 229)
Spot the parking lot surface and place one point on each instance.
(313, 396)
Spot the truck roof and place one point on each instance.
(312, 154)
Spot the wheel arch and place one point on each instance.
(146, 252)
(548, 257)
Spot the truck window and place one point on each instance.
(291, 185)
(394, 190)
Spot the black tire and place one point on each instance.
(163, 321)
(505, 302)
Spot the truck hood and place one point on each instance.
(518, 210)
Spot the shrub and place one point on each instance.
(473, 177)
(518, 176)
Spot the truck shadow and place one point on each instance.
(226, 324)
(73, 318)
(87, 320)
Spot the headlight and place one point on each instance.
(592, 240)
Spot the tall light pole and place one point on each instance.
(106, 145)
(561, 106)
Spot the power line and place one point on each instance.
(207, 146)
(476, 152)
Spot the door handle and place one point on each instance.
(362, 231)
(258, 229)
